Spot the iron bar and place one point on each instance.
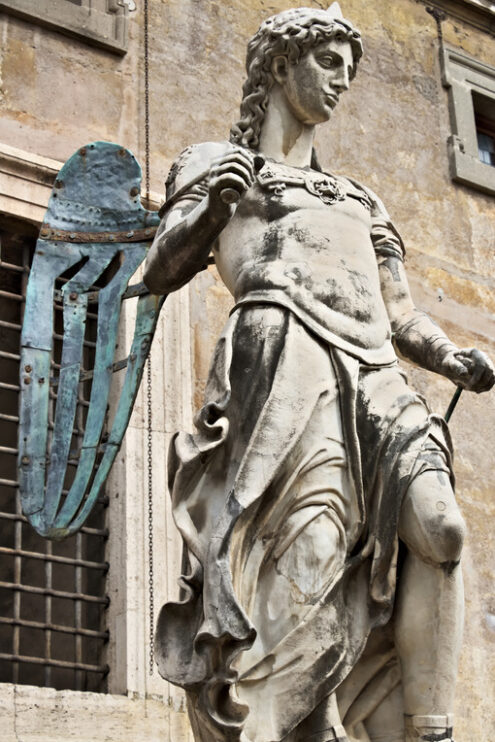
(78, 647)
(13, 267)
(10, 356)
(91, 633)
(104, 600)
(12, 297)
(132, 292)
(9, 418)
(102, 499)
(55, 558)
(9, 450)
(16, 658)
(9, 387)
(10, 325)
(103, 532)
(48, 613)
(17, 594)
(87, 375)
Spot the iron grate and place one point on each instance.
(52, 594)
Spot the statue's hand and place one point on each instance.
(230, 177)
(470, 368)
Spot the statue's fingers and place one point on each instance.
(476, 377)
(486, 381)
(457, 370)
(238, 156)
(234, 168)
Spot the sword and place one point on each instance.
(453, 403)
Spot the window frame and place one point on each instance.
(101, 23)
(464, 75)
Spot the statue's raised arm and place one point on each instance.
(195, 212)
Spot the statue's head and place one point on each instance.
(286, 39)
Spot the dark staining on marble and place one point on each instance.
(359, 281)
(272, 241)
(392, 265)
(301, 234)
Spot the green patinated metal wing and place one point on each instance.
(95, 225)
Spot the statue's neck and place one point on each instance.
(283, 137)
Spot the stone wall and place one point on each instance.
(390, 132)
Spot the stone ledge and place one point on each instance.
(34, 714)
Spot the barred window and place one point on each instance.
(52, 594)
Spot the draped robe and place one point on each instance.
(288, 494)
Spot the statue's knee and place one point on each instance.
(445, 538)
(451, 539)
(432, 526)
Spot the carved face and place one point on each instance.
(313, 85)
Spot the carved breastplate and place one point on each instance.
(275, 178)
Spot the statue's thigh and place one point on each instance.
(430, 522)
(315, 556)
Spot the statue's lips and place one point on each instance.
(332, 100)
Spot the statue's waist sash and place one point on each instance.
(371, 344)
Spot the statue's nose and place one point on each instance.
(341, 80)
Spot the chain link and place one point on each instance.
(150, 519)
(149, 404)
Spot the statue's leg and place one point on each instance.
(430, 605)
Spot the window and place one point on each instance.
(484, 116)
(52, 595)
(471, 146)
(100, 22)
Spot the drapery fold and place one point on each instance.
(296, 440)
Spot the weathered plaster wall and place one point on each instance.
(389, 131)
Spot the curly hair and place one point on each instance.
(290, 34)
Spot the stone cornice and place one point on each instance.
(478, 13)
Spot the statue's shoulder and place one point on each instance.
(193, 164)
(384, 234)
(375, 203)
(187, 178)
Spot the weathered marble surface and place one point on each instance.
(292, 542)
(398, 148)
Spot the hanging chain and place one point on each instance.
(149, 405)
(150, 521)
(147, 101)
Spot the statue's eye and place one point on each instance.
(328, 62)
